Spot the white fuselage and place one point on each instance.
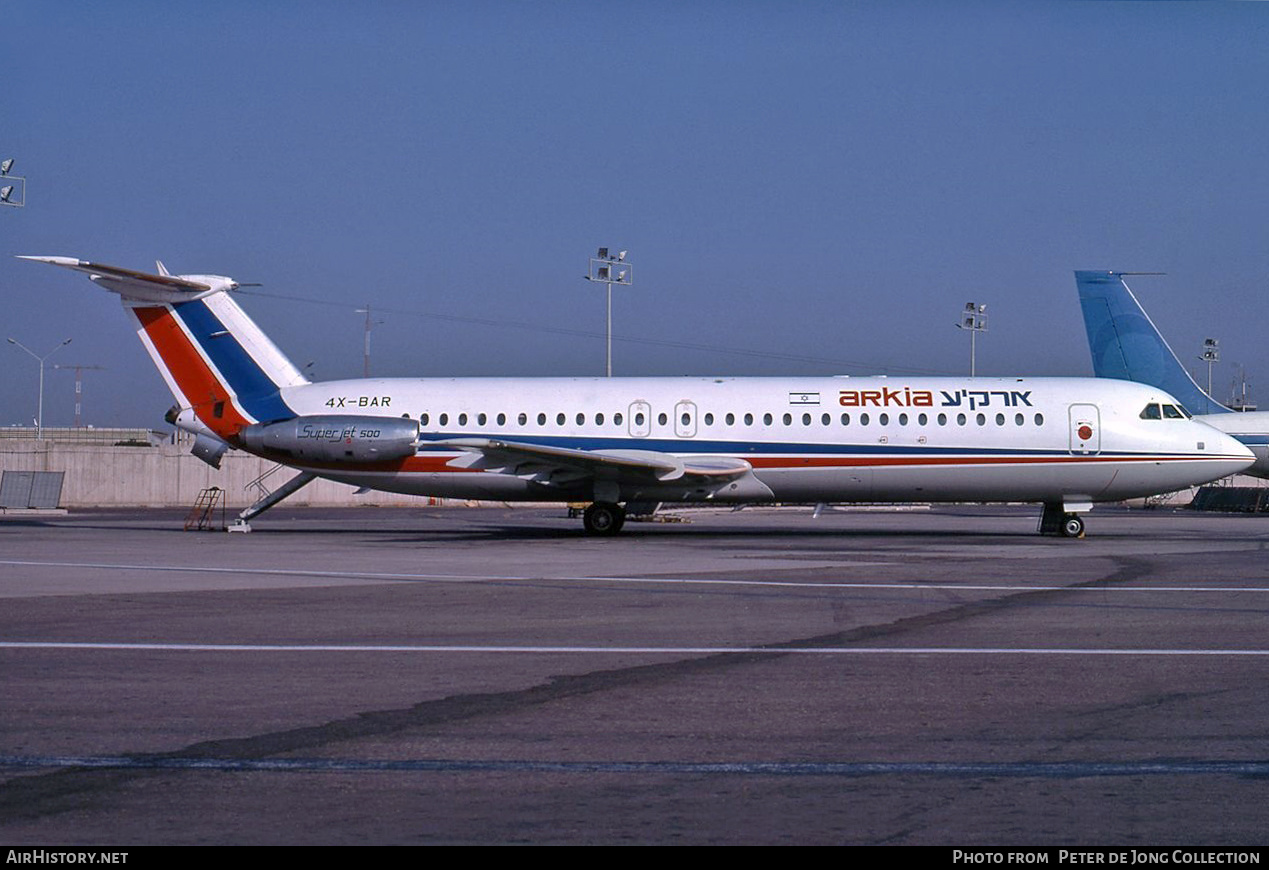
(807, 439)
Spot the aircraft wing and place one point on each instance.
(564, 465)
(115, 275)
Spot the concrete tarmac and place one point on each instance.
(445, 676)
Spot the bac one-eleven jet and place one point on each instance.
(1065, 443)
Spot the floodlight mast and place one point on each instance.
(609, 269)
(1211, 354)
(8, 188)
(974, 319)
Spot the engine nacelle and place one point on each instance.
(335, 438)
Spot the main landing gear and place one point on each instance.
(1057, 521)
(604, 518)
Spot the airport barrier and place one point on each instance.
(165, 474)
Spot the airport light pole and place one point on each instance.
(365, 353)
(1211, 354)
(974, 319)
(39, 417)
(12, 187)
(608, 269)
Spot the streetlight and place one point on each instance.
(974, 319)
(39, 417)
(608, 269)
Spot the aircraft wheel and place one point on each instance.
(604, 518)
(1072, 526)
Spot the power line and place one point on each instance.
(582, 333)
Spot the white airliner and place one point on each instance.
(1126, 344)
(1062, 442)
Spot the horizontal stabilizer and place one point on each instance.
(124, 276)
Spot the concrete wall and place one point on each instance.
(166, 475)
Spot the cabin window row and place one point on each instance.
(768, 419)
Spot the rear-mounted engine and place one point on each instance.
(335, 438)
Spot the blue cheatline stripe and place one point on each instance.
(255, 390)
(764, 448)
(1048, 770)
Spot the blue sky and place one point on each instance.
(803, 187)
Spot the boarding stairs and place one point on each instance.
(268, 498)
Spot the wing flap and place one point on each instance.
(565, 464)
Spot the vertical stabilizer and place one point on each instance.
(1126, 344)
(215, 359)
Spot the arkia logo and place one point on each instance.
(900, 398)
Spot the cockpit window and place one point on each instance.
(1172, 412)
(1151, 412)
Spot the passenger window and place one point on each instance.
(1000, 419)
(942, 419)
(581, 419)
(749, 419)
(884, 419)
(709, 419)
(541, 419)
(731, 419)
(863, 419)
(502, 419)
(559, 419)
(1039, 419)
(845, 419)
(982, 419)
(806, 419)
(617, 418)
(444, 419)
(827, 419)
(661, 418)
(1018, 419)
(960, 419)
(766, 419)
(639, 419)
(903, 419)
(522, 419)
(481, 419)
(462, 419)
(423, 419)
(923, 419)
(599, 419)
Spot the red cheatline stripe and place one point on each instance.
(438, 464)
(190, 371)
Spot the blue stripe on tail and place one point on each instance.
(255, 390)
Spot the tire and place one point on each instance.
(1072, 526)
(603, 518)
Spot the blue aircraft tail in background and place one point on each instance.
(1126, 344)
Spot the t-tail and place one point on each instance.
(1127, 345)
(223, 370)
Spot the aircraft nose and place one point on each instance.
(1234, 454)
